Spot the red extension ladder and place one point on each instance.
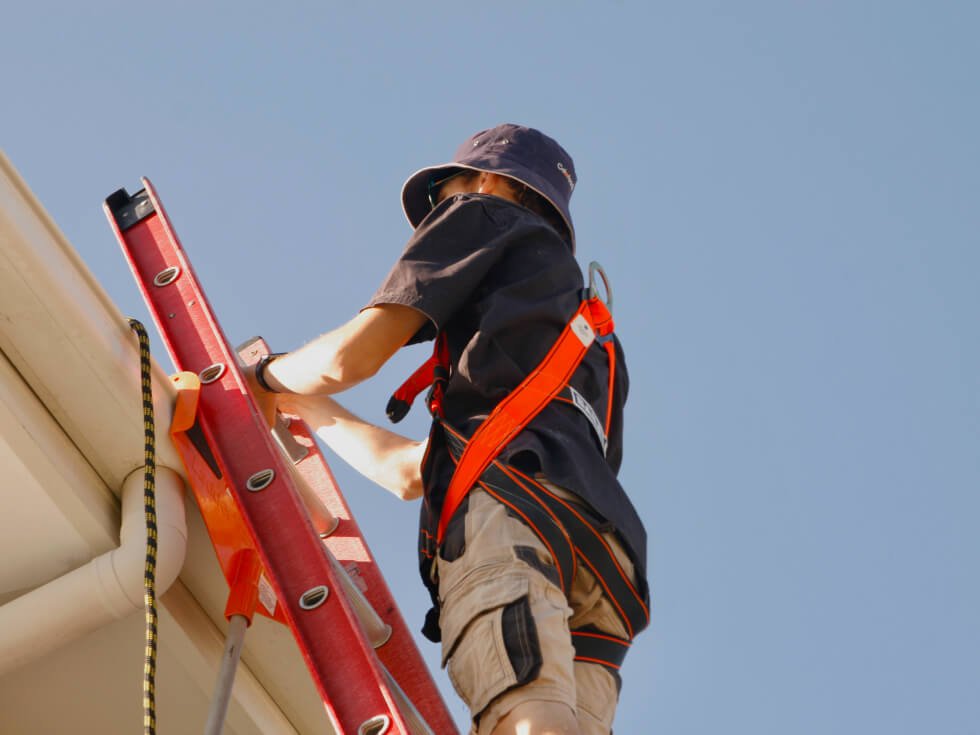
(282, 531)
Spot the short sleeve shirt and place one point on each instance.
(501, 284)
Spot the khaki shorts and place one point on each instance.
(505, 622)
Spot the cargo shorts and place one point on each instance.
(506, 622)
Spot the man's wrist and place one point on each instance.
(260, 369)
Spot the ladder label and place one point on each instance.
(267, 595)
(354, 572)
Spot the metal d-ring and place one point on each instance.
(594, 268)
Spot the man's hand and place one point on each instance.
(391, 460)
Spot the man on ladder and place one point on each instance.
(532, 551)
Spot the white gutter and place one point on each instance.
(106, 588)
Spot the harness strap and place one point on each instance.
(537, 517)
(592, 646)
(610, 348)
(433, 371)
(592, 549)
(513, 413)
(576, 400)
(567, 530)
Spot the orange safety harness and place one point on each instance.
(565, 529)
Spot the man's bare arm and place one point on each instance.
(347, 355)
(384, 457)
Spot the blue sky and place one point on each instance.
(785, 198)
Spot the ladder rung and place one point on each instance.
(324, 522)
(413, 719)
(376, 630)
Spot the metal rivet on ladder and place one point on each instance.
(314, 598)
(166, 276)
(212, 373)
(260, 480)
(375, 726)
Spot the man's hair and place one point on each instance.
(530, 199)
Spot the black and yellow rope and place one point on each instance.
(149, 505)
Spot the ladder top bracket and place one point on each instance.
(128, 210)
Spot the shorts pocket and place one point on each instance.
(490, 642)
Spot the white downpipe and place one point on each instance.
(104, 589)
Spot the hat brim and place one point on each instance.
(415, 192)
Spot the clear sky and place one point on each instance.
(785, 196)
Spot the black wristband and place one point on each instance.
(260, 367)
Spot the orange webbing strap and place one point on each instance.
(610, 347)
(511, 415)
(401, 401)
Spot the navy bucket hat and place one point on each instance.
(519, 152)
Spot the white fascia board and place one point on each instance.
(70, 342)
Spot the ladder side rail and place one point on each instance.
(327, 631)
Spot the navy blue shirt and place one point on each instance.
(502, 285)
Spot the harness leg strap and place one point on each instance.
(594, 647)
